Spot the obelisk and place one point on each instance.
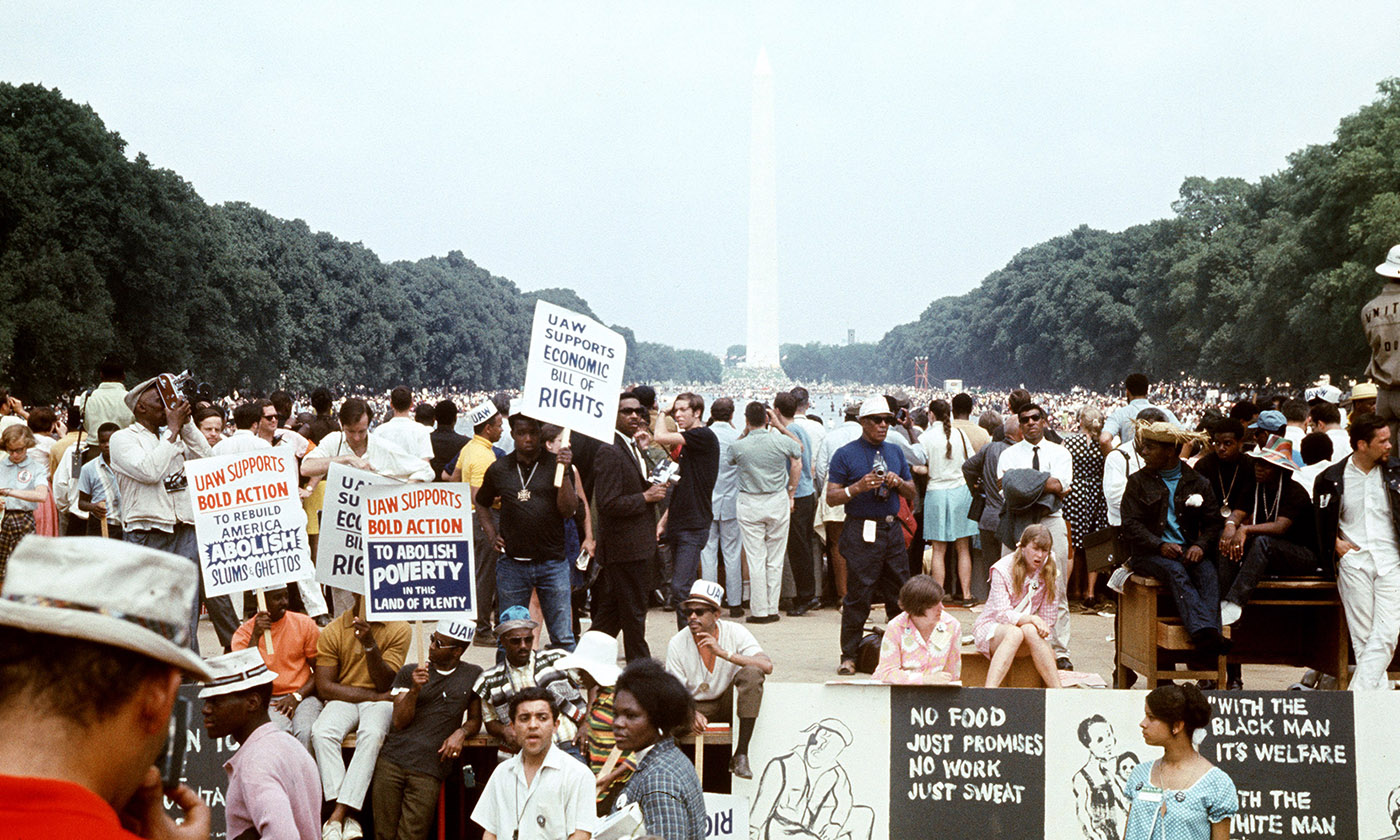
(762, 346)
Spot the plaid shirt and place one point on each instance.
(668, 791)
(496, 686)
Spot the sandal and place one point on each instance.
(847, 668)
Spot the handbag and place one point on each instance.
(977, 507)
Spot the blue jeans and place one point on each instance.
(515, 579)
(687, 545)
(724, 533)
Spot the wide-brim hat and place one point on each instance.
(1362, 391)
(106, 591)
(596, 653)
(237, 671)
(876, 407)
(1391, 266)
(705, 592)
(137, 390)
(1277, 450)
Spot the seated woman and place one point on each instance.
(922, 645)
(649, 705)
(1020, 612)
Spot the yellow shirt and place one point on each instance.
(475, 457)
(338, 647)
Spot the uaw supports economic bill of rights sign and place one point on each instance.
(418, 553)
(249, 521)
(574, 373)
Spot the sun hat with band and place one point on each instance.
(705, 592)
(876, 407)
(1277, 450)
(104, 591)
(596, 653)
(237, 671)
(1391, 267)
(515, 618)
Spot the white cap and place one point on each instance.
(106, 591)
(462, 631)
(1391, 267)
(481, 412)
(875, 407)
(237, 671)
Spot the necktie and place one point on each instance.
(641, 459)
(1035, 457)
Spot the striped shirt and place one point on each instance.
(497, 685)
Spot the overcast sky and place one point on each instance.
(604, 146)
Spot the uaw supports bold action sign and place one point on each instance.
(574, 374)
(249, 521)
(418, 553)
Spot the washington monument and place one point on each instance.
(762, 340)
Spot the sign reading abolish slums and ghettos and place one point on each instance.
(340, 551)
(249, 521)
(574, 372)
(418, 552)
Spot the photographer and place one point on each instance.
(93, 646)
(150, 469)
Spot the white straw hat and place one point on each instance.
(237, 671)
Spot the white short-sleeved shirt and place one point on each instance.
(409, 435)
(683, 660)
(242, 440)
(1054, 459)
(558, 803)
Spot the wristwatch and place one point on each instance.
(296, 695)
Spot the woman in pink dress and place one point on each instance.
(1019, 615)
(922, 645)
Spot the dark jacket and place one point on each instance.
(980, 474)
(1025, 503)
(1145, 513)
(1327, 501)
(626, 521)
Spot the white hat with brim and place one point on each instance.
(237, 671)
(596, 653)
(135, 393)
(1391, 267)
(705, 592)
(105, 591)
(875, 407)
(459, 631)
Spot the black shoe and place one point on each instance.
(814, 605)
(1064, 664)
(797, 612)
(736, 612)
(1234, 684)
(739, 766)
(762, 619)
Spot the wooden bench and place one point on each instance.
(716, 733)
(1150, 639)
(1022, 674)
(1294, 621)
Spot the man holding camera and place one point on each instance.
(93, 646)
(156, 508)
(769, 457)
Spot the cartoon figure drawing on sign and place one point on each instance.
(807, 793)
(1392, 806)
(1098, 787)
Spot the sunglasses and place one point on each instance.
(879, 421)
(689, 611)
(631, 411)
(1032, 418)
(439, 643)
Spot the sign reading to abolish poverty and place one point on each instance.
(340, 552)
(418, 552)
(249, 521)
(574, 374)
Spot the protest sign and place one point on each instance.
(340, 551)
(418, 553)
(249, 521)
(574, 372)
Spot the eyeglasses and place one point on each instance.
(879, 421)
(1032, 418)
(17, 451)
(689, 611)
(631, 411)
(439, 643)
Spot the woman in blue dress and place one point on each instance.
(1181, 796)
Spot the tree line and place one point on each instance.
(100, 254)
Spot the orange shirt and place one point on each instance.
(294, 638)
(41, 809)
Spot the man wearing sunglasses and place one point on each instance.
(435, 712)
(721, 665)
(1035, 452)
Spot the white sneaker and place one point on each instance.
(1229, 612)
(331, 831)
(351, 830)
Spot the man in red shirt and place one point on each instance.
(93, 647)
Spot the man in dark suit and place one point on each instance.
(623, 495)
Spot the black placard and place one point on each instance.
(1292, 758)
(204, 763)
(967, 760)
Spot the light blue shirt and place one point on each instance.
(724, 498)
(91, 481)
(804, 478)
(26, 475)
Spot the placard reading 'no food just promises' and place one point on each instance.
(248, 521)
(418, 552)
(574, 372)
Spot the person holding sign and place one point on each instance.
(1181, 796)
(1019, 617)
(93, 648)
(356, 662)
(354, 446)
(435, 712)
(531, 532)
(273, 790)
(476, 457)
(293, 638)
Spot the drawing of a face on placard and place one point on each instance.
(810, 786)
(1377, 766)
(1091, 748)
